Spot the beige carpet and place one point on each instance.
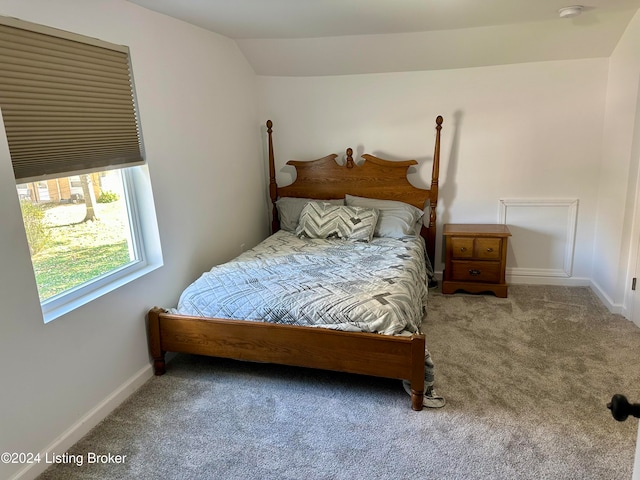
(539, 366)
(526, 379)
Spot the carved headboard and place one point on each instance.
(377, 178)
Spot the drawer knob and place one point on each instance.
(463, 249)
(489, 249)
(473, 271)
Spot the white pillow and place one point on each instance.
(395, 220)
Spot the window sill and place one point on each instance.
(58, 306)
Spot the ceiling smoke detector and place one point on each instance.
(570, 12)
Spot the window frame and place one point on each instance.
(65, 302)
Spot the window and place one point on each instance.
(76, 238)
(69, 114)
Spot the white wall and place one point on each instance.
(614, 254)
(530, 131)
(198, 108)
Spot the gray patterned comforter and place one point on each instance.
(372, 287)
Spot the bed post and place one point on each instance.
(433, 195)
(273, 186)
(155, 345)
(418, 349)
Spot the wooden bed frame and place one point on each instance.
(388, 356)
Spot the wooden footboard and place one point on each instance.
(353, 352)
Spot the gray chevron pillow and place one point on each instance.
(290, 208)
(323, 220)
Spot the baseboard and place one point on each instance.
(607, 300)
(79, 429)
(543, 280)
(539, 280)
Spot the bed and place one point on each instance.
(245, 333)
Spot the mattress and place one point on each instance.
(380, 286)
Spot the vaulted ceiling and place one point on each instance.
(336, 37)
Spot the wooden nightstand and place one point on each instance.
(475, 258)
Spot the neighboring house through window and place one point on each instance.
(70, 118)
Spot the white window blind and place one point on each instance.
(67, 102)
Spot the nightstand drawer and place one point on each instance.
(461, 247)
(487, 248)
(475, 271)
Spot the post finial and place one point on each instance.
(349, 163)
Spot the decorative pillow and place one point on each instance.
(396, 219)
(289, 209)
(323, 220)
